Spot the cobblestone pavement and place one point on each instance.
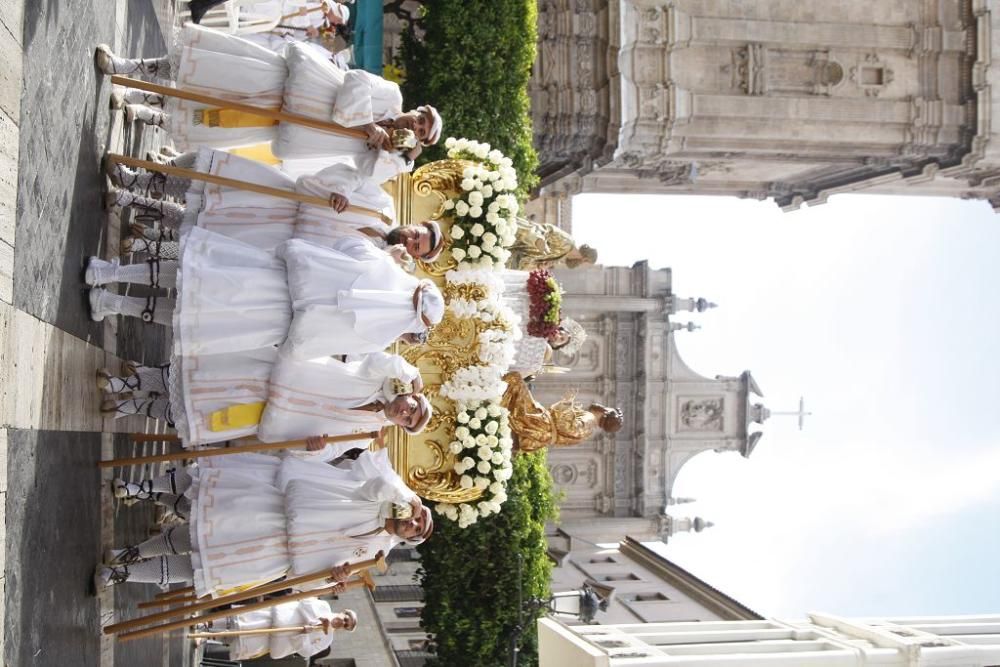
(55, 125)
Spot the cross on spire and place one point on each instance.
(800, 413)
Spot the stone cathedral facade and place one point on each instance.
(621, 484)
(793, 100)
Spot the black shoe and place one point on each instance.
(199, 8)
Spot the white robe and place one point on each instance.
(266, 221)
(299, 80)
(319, 89)
(320, 396)
(233, 311)
(256, 518)
(348, 299)
(287, 614)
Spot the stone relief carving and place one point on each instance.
(563, 474)
(701, 414)
(871, 75)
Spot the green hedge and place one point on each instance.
(469, 576)
(473, 64)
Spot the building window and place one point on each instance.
(407, 612)
(617, 577)
(402, 554)
(604, 559)
(646, 597)
(398, 594)
(340, 662)
(872, 76)
(413, 658)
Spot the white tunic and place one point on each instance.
(322, 396)
(256, 518)
(319, 89)
(266, 221)
(233, 311)
(299, 80)
(348, 299)
(287, 614)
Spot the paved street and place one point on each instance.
(56, 126)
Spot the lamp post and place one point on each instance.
(581, 604)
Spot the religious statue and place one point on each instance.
(563, 424)
(545, 246)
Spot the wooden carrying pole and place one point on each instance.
(301, 629)
(365, 580)
(177, 592)
(223, 103)
(280, 193)
(273, 587)
(167, 602)
(224, 451)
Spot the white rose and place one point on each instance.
(461, 432)
(483, 467)
(492, 440)
(463, 418)
(481, 413)
(465, 482)
(492, 217)
(450, 204)
(477, 229)
(494, 410)
(481, 440)
(484, 453)
(468, 172)
(468, 462)
(476, 198)
(506, 162)
(494, 206)
(459, 467)
(482, 151)
(458, 254)
(475, 423)
(469, 442)
(450, 142)
(462, 209)
(455, 447)
(487, 190)
(475, 211)
(457, 232)
(474, 252)
(500, 497)
(484, 508)
(510, 184)
(491, 428)
(482, 483)
(489, 238)
(495, 156)
(468, 184)
(497, 458)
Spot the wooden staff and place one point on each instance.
(361, 566)
(153, 437)
(195, 175)
(223, 451)
(177, 592)
(364, 580)
(223, 103)
(168, 602)
(301, 629)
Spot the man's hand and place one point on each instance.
(315, 443)
(378, 138)
(380, 438)
(417, 506)
(418, 384)
(399, 254)
(340, 572)
(414, 152)
(339, 202)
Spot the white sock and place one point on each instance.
(177, 481)
(162, 570)
(154, 272)
(161, 308)
(171, 542)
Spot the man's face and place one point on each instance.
(412, 528)
(420, 122)
(559, 338)
(417, 240)
(342, 621)
(404, 410)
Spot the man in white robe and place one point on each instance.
(298, 81)
(311, 612)
(266, 221)
(301, 21)
(256, 518)
(363, 301)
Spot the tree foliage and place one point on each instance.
(473, 63)
(470, 575)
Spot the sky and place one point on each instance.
(883, 312)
